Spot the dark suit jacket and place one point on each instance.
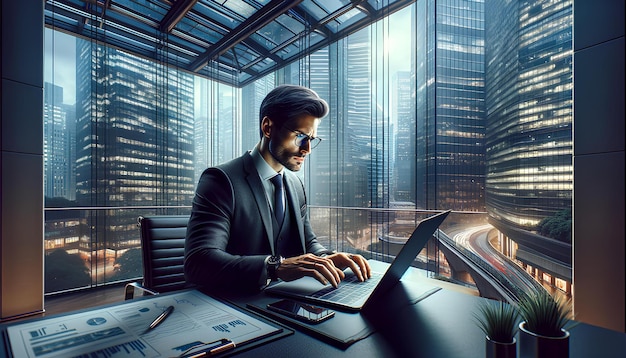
(230, 232)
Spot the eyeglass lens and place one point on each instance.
(301, 138)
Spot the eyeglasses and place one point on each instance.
(300, 139)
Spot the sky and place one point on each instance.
(59, 62)
(60, 52)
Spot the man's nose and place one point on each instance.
(305, 146)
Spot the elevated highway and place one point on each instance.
(495, 276)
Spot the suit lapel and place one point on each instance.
(252, 177)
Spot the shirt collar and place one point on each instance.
(265, 170)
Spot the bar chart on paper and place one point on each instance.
(129, 349)
(121, 331)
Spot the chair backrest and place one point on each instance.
(163, 248)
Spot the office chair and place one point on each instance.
(163, 250)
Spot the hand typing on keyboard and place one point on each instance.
(328, 269)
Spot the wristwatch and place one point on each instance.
(273, 263)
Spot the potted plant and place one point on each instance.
(542, 331)
(499, 321)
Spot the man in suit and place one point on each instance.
(245, 230)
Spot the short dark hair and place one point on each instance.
(287, 102)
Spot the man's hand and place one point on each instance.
(357, 263)
(320, 268)
(326, 270)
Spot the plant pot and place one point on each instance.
(495, 349)
(532, 345)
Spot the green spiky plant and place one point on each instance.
(498, 320)
(545, 314)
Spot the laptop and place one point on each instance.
(351, 294)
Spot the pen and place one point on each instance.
(160, 318)
(210, 349)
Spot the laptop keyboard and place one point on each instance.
(350, 290)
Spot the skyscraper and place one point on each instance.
(450, 107)
(202, 135)
(252, 95)
(529, 126)
(530, 111)
(321, 169)
(57, 144)
(135, 141)
(215, 140)
(404, 174)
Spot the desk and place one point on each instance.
(440, 325)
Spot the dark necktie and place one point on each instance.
(279, 202)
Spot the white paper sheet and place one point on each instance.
(121, 331)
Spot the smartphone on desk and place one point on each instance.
(302, 311)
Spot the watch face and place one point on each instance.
(273, 263)
(275, 260)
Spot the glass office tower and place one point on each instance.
(321, 168)
(252, 95)
(450, 108)
(529, 127)
(214, 117)
(135, 133)
(57, 143)
(356, 136)
(202, 129)
(355, 126)
(350, 167)
(337, 173)
(404, 158)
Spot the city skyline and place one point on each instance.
(356, 164)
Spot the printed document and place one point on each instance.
(122, 330)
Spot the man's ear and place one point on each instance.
(266, 126)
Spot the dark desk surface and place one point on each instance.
(440, 325)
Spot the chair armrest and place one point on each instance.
(129, 290)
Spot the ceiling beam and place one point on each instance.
(265, 15)
(176, 13)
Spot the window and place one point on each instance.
(420, 121)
